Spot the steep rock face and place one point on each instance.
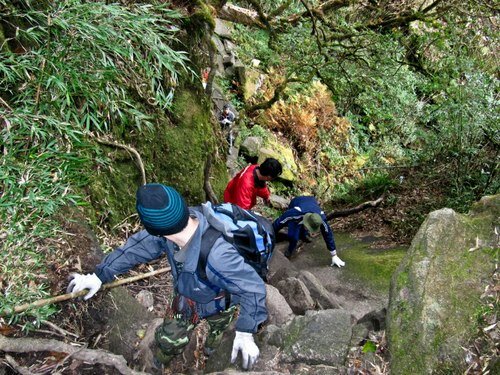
(436, 289)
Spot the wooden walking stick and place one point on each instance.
(67, 296)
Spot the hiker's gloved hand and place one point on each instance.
(80, 282)
(249, 351)
(336, 261)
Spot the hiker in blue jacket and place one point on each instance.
(173, 228)
(303, 217)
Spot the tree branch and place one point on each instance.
(67, 296)
(268, 104)
(349, 211)
(327, 6)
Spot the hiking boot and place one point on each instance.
(161, 359)
(308, 238)
(288, 254)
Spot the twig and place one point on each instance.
(4, 103)
(131, 150)
(67, 296)
(59, 329)
(39, 88)
(23, 345)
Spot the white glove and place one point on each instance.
(80, 282)
(249, 351)
(336, 261)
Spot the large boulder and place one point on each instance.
(284, 155)
(251, 81)
(278, 310)
(318, 338)
(251, 146)
(296, 294)
(223, 28)
(435, 292)
(323, 298)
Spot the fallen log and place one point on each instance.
(93, 356)
(67, 296)
(353, 210)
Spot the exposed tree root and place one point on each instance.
(132, 151)
(16, 366)
(210, 194)
(23, 345)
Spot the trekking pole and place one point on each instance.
(64, 297)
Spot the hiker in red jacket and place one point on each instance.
(251, 182)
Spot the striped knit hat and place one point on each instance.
(162, 209)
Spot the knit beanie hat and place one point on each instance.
(312, 222)
(162, 209)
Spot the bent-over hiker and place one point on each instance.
(251, 182)
(173, 228)
(303, 217)
(226, 119)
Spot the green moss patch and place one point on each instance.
(367, 265)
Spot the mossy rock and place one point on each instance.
(174, 153)
(435, 293)
(284, 155)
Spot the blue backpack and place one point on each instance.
(253, 237)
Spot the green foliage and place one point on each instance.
(254, 44)
(254, 131)
(370, 186)
(419, 93)
(85, 68)
(96, 65)
(369, 347)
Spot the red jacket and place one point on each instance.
(243, 191)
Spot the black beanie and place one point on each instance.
(162, 209)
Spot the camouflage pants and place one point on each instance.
(173, 334)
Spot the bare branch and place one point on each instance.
(327, 6)
(67, 296)
(314, 30)
(280, 9)
(349, 211)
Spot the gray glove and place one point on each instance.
(80, 282)
(249, 351)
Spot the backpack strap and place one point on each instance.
(207, 242)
